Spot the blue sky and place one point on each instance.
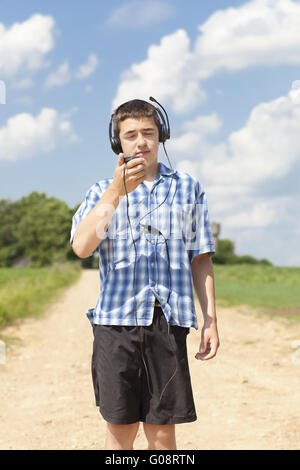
(227, 72)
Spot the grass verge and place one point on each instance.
(270, 289)
(27, 292)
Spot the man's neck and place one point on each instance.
(152, 172)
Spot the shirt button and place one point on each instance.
(152, 241)
(152, 265)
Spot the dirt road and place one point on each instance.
(248, 397)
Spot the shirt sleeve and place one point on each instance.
(199, 239)
(91, 198)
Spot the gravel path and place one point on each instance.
(247, 397)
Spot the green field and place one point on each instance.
(29, 291)
(275, 290)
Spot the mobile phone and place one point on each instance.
(126, 159)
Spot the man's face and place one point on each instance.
(139, 137)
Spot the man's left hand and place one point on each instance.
(209, 342)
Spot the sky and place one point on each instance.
(227, 72)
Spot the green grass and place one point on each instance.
(274, 289)
(28, 292)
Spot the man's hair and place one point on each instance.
(134, 109)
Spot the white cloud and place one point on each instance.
(194, 134)
(266, 148)
(85, 70)
(166, 74)
(61, 76)
(254, 213)
(239, 172)
(25, 135)
(295, 92)
(25, 45)
(139, 14)
(23, 83)
(257, 33)
(26, 100)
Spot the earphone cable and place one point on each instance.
(168, 189)
(135, 309)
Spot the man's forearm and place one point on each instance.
(92, 228)
(203, 279)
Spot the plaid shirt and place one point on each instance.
(181, 221)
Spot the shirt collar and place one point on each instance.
(164, 170)
(162, 173)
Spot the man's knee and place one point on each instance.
(121, 436)
(160, 436)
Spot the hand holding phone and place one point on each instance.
(127, 159)
(135, 173)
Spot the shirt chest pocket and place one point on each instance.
(121, 249)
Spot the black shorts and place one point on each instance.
(141, 373)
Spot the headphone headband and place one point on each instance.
(164, 128)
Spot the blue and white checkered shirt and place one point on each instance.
(181, 222)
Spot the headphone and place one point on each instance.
(164, 134)
(163, 129)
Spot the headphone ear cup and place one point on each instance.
(160, 133)
(116, 145)
(114, 141)
(163, 131)
(163, 134)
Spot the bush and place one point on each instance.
(225, 255)
(36, 227)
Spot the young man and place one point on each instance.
(146, 306)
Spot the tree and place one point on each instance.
(226, 255)
(9, 246)
(35, 226)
